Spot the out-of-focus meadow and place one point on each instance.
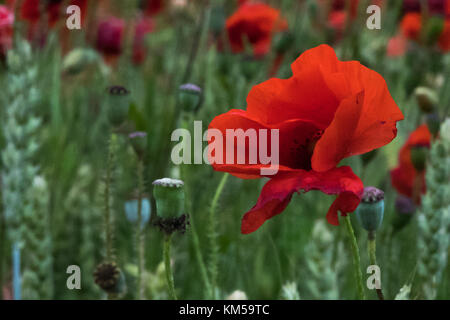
(69, 174)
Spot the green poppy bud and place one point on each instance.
(169, 197)
(78, 59)
(118, 103)
(190, 97)
(139, 141)
(419, 157)
(426, 99)
(370, 211)
(110, 278)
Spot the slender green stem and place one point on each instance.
(372, 248)
(168, 267)
(213, 260)
(2, 249)
(107, 198)
(140, 231)
(356, 258)
(195, 238)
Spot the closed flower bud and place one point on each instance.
(419, 157)
(190, 97)
(370, 211)
(405, 209)
(139, 141)
(110, 278)
(132, 208)
(426, 99)
(169, 197)
(118, 104)
(78, 59)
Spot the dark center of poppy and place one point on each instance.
(302, 151)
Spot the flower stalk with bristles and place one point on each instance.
(434, 216)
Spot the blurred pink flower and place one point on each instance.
(6, 29)
(397, 46)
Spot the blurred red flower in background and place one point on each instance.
(32, 10)
(405, 177)
(256, 23)
(110, 35)
(327, 111)
(411, 25)
(6, 29)
(153, 7)
(143, 27)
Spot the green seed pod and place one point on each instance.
(419, 157)
(370, 211)
(169, 197)
(118, 103)
(426, 99)
(139, 142)
(190, 97)
(78, 59)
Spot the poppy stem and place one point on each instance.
(140, 231)
(371, 247)
(168, 267)
(213, 267)
(356, 257)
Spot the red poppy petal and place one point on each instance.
(363, 122)
(305, 96)
(278, 191)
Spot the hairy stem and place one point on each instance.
(356, 258)
(168, 267)
(372, 248)
(213, 261)
(140, 231)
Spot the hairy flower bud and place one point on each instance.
(370, 211)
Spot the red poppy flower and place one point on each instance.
(444, 39)
(411, 25)
(6, 29)
(144, 26)
(31, 10)
(153, 7)
(327, 111)
(256, 23)
(109, 36)
(404, 176)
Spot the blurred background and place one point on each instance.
(71, 173)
